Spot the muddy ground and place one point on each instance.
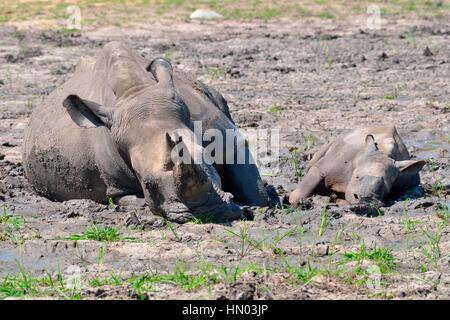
(315, 77)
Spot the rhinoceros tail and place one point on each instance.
(162, 71)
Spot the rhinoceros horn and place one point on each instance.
(191, 181)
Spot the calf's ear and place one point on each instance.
(410, 167)
(371, 145)
(87, 114)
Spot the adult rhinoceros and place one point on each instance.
(108, 132)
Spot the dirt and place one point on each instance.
(327, 77)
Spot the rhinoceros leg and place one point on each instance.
(312, 183)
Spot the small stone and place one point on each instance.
(132, 220)
(427, 52)
(152, 222)
(306, 204)
(139, 296)
(205, 14)
(383, 56)
(99, 292)
(319, 279)
(322, 249)
(246, 293)
(316, 201)
(10, 58)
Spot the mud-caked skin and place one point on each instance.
(363, 166)
(109, 132)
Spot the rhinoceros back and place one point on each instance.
(58, 155)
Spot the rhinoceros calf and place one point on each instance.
(109, 132)
(363, 166)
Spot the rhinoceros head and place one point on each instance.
(375, 173)
(145, 123)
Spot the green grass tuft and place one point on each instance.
(97, 233)
(382, 257)
(275, 109)
(205, 218)
(215, 72)
(15, 221)
(303, 273)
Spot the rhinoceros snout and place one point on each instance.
(369, 189)
(219, 212)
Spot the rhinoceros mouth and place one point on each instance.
(217, 204)
(370, 201)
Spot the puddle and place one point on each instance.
(8, 255)
(428, 144)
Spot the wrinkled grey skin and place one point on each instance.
(364, 166)
(109, 130)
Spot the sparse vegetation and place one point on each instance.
(15, 221)
(433, 165)
(111, 203)
(14, 225)
(113, 279)
(324, 221)
(438, 189)
(394, 94)
(444, 214)
(20, 285)
(411, 224)
(382, 257)
(173, 230)
(207, 274)
(432, 249)
(179, 276)
(246, 241)
(53, 13)
(215, 72)
(97, 233)
(204, 275)
(275, 109)
(168, 55)
(205, 218)
(309, 140)
(296, 162)
(303, 273)
(24, 284)
(330, 64)
(411, 39)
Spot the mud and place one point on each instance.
(327, 78)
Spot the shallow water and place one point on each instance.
(428, 144)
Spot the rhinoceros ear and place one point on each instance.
(87, 114)
(178, 152)
(371, 145)
(410, 167)
(162, 71)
